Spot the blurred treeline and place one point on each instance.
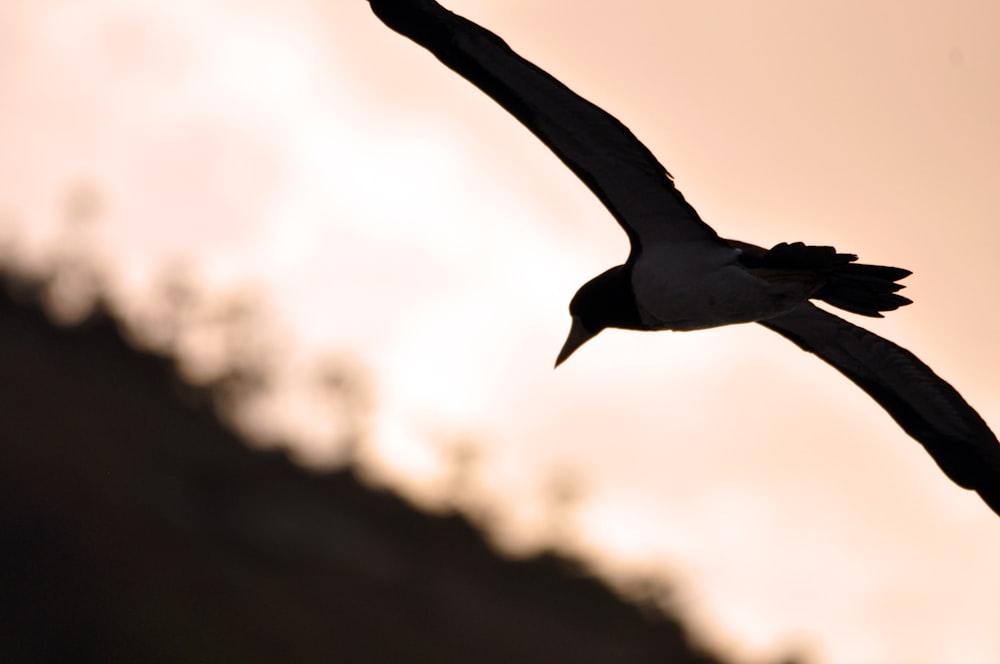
(137, 526)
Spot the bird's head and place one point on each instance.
(606, 300)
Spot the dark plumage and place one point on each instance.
(681, 275)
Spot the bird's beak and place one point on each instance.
(578, 335)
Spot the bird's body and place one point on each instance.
(664, 298)
(680, 275)
(726, 291)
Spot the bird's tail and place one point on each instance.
(861, 289)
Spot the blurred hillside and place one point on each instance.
(137, 527)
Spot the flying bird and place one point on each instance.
(681, 275)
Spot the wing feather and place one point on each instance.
(921, 402)
(599, 149)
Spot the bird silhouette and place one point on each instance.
(681, 275)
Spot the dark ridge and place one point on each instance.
(136, 527)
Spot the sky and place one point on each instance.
(382, 209)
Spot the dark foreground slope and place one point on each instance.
(134, 527)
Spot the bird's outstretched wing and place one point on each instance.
(922, 403)
(598, 148)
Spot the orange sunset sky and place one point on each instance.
(382, 209)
